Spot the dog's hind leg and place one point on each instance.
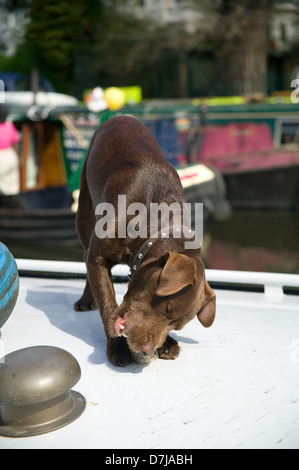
(85, 222)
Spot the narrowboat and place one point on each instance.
(253, 145)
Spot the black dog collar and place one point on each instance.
(149, 243)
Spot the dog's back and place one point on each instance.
(118, 162)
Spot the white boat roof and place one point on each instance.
(234, 385)
(42, 98)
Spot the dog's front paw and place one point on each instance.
(84, 304)
(170, 349)
(118, 351)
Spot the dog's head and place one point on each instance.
(164, 296)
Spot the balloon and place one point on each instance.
(115, 98)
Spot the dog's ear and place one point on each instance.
(206, 314)
(178, 272)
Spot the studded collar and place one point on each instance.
(162, 234)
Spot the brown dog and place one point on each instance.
(168, 287)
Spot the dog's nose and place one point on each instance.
(148, 350)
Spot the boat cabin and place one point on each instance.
(42, 161)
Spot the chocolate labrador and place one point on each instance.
(167, 286)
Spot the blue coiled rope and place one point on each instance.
(9, 283)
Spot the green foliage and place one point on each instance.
(58, 27)
(22, 62)
(79, 44)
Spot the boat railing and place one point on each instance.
(272, 284)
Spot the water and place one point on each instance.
(255, 241)
(248, 241)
